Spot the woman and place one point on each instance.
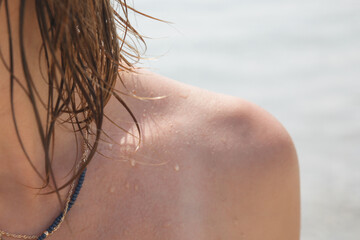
(164, 160)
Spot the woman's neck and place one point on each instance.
(16, 173)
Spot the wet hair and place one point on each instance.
(84, 53)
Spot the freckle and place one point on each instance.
(236, 221)
(112, 189)
(177, 167)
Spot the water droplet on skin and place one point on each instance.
(188, 143)
(184, 95)
(110, 146)
(177, 167)
(166, 224)
(112, 189)
(176, 131)
(127, 185)
(132, 162)
(144, 115)
(136, 187)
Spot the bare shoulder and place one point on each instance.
(259, 194)
(236, 161)
(223, 122)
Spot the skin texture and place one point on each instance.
(210, 166)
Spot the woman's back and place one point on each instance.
(209, 166)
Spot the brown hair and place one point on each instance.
(82, 79)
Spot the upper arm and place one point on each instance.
(259, 193)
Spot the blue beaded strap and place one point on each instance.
(71, 203)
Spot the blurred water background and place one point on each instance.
(298, 59)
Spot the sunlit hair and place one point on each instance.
(84, 54)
